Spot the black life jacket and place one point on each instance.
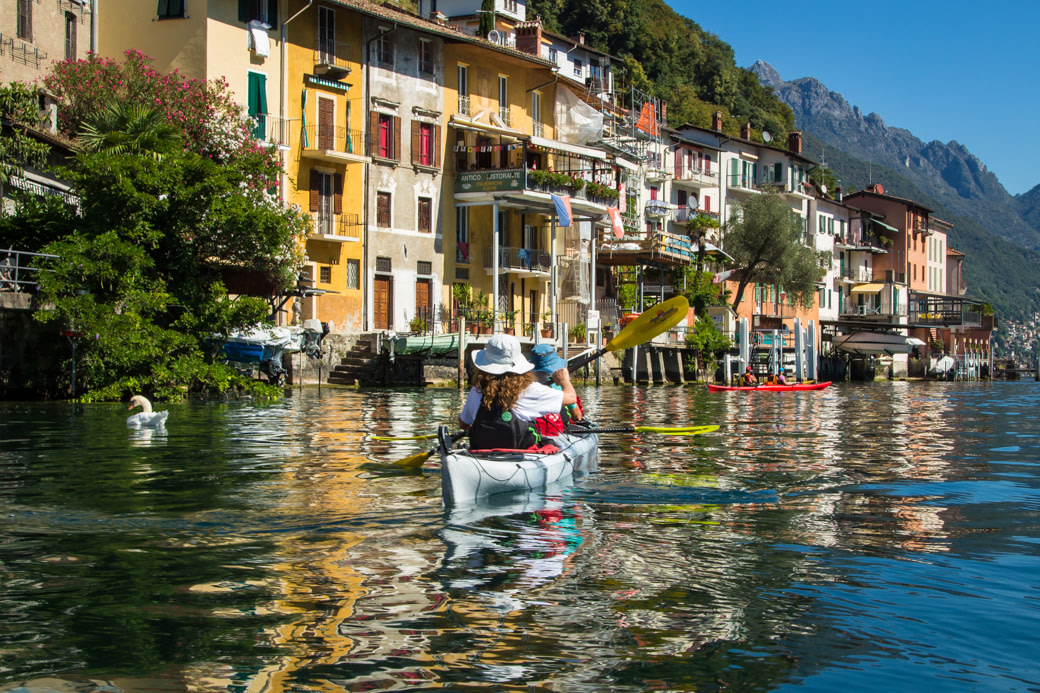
(498, 429)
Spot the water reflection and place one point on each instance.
(276, 546)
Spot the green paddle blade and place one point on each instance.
(651, 323)
(415, 461)
(678, 431)
(704, 429)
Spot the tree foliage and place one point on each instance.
(18, 111)
(763, 237)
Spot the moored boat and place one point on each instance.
(769, 388)
(468, 476)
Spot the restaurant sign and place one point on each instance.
(490, 181)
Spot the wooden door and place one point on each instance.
(326, 124)
(382, 303)
(422, 298)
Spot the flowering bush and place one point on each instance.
(212, 123)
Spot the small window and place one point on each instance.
(70, 36)
(265, 11)
(383, 210)
(385, 48)
(353, 274)
(383, 264)
(426, 56)
(462, 273)
(424, 268)
(170, 9)
(425, 215)
(24, 29)
(325, 274)
(579, 68)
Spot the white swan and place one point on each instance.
(146, 418)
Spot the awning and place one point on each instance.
(867, 289)
(711, 249)
(884, 225)
(914, 341)
(473, 124)
(576, 149)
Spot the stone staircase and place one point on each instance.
(358, 367)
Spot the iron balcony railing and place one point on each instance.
(518, 259)
(317, 137)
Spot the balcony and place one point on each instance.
(522, 261)
(337, 228)
(464, 105)
(491, 181)
(333, 144)
(682, 215)
(645, 248)
(944, 311)
(855, 243)
(657, 209)
(332, 59)
(695, 178)
(855, 275)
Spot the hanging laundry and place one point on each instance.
(259, 43)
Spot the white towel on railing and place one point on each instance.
(258, 40)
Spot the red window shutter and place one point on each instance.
(707, 203)
(315, 183)
(416, 142)
(373, 129)
(337, 193)
(437, 146)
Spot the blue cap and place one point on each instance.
(545, 360)
(781, 369)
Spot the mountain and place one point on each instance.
(1000, 233)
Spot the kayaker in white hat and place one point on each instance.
(506, 398)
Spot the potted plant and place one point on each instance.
(577, 333)
(547, 326)
(509, 321)
(461, 295)
(417, 325)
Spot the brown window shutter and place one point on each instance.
(373, 133)
(678, 162)
(437, 146)
(315, 182)
(337, 193)
(395, 152)
(415, 142)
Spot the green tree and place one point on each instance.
(19, 113)
(706, 339)
(764, 238)
(121, 127)
(487, 17)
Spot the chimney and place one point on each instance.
(745, 131)
(876, 188)
(716, 121)
(794, 142)
(439, 17)
(837, 193)
(529, 37)
(664, 112)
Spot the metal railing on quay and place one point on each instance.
(19, 270)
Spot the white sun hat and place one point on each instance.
(502, 354)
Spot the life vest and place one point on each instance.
(498, 429)
(552, 425)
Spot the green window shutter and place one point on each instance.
(257, 102)
(164, 8)
(778, 172)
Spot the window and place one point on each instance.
(25, 20)
(70, 36)
(462, 234)
(424, 268)
(384, 264)
(170, 9)
(503, 99)
(536, 114)
(384, 48)
(258, 103)
(327, 35)
(265, 11)
(326, 199)
(325, 274)
(426, 56)
(462, 73)
(554, 56)
(426, 139)
(383, 210)
(462, 273)
(424, 215)
(353, 274)
(388, 133)
(510, 5)
(579, 68)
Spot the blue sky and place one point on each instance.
(955, 70)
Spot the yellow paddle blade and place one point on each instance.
(651, 323)
(415, 461)
(426, 436)
(677, 430)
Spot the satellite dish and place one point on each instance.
(766, 137)
(494, 36)
(692, 202)
(823, 188)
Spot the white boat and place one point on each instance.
(467, 476)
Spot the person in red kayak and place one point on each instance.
(780, 378)
(749, 377)
(506, 398)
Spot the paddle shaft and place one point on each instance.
(651, 323)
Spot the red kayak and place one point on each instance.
(768, 388)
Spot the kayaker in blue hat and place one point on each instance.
(546, 364)
(506, 398)
(780, 379)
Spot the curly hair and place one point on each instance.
(500, 392)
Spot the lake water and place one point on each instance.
(872, 536)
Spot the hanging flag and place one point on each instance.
(303, 111)
(615, 222)
(648, 119)
(622, 198)
(722, 276)
(563, 209)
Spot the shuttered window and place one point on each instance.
(425, 215)
(257, 103)
(383, 210)
(169, 9)
(265, 11)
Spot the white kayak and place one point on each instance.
(468, 476)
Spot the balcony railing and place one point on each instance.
(332, 57)
(505, 115)
(860, 275)
(657, 208)
(464, 105)
(522, 259)
(689, 175)
(340, 226)
(682, 215)
(20, 270)
(943, 311)
(329, 138)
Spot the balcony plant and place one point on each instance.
(547, 326)
(509, 321)
(601, 191)
(418, 325)
(577, 333)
